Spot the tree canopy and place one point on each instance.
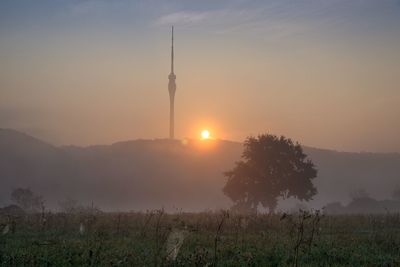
(271, 167)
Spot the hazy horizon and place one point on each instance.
(324, 73)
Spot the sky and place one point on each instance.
(323, 72)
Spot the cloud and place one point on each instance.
(274, 20)
(266, 20)
(182, 18)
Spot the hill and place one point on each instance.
(149, 174)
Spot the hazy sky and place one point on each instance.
(324, 72)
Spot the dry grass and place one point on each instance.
(155, 238)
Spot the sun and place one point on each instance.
(205, 134)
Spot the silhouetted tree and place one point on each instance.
(27, 200)
(271, 167)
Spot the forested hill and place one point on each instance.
(149, 174)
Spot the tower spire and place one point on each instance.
(171, 90)
(172, 50)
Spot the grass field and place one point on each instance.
(202, 239)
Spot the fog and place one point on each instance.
(175, 175)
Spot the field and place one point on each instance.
(155, 238)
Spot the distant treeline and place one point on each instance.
(364, 205)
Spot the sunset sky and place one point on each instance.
(323, 72)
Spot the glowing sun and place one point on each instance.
(205, 134)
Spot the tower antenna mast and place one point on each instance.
(172, 50)
(171, 90)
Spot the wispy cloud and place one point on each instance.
(183, 17)
(235, 20)
(224, 16)
(278, 19)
